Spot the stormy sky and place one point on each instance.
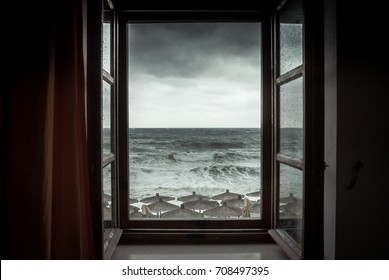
(194, 75)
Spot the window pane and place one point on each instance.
(194, 94)
(107, 111)
(291, 118)
(107, 196)
(291, 194)
(107, 42)
(291, 36)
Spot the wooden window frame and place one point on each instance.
(111, 231)
(196, 231)
(312, 164)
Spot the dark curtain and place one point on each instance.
(46, 211)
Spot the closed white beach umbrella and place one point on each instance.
(256, 208)
(132, 208)
(236, 202)
(247, 204)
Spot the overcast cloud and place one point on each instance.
(195, 75)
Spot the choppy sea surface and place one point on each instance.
(208, 161)
(176, 162)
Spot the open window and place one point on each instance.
(173, 82)
(109, 149)
(298, 130)
(289, 129)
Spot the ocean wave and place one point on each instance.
(233, 157)
(141, 150)
(227, 170)
(153, 159)
(210, 145)
(146, 170)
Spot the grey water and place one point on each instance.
(178, 161)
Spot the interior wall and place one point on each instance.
(330, 105)
(27, 58)
(360, 132)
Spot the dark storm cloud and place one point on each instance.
(195, 75)
(189, 49)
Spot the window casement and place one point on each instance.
(109, 149)
(108, 95)
(291, 126)
(298, 129)
(289, 120)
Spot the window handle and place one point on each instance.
(355, 170)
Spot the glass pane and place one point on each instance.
(291, 118)
(107, 111)
(107, 42)
(291, 194)
(195, 136)
(107, 196)
(291, 36)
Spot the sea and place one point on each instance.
(209, 161)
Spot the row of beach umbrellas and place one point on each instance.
(167, 210)
(198, 206)
(233, 205)
(227, 195)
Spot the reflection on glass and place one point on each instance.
(291, 118)
(106, 104)
(107, 196)
(107, 46)
(291, 194)
(291, 36)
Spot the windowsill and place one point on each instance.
(147, 236)
(268, 251)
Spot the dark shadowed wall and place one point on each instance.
(357, 129)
